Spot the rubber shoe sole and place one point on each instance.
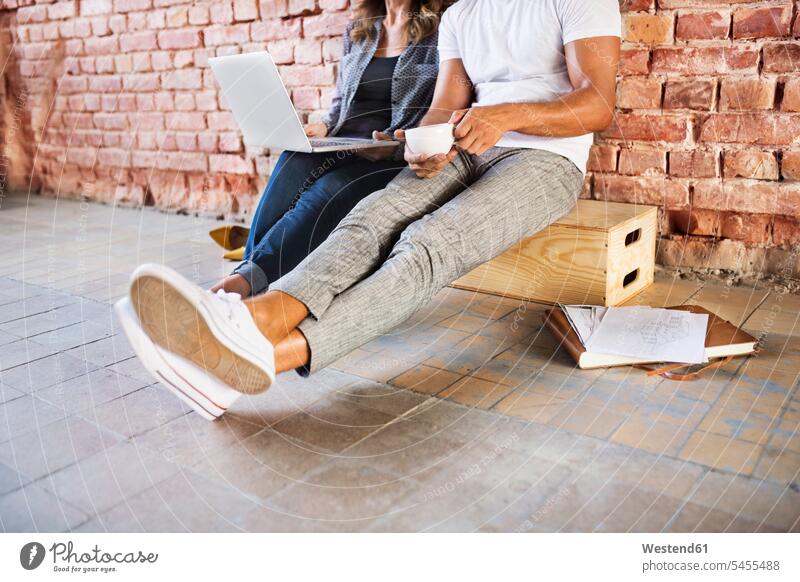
(205, 395)
(172, 319)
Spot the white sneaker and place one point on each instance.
(209, 397)
(215, 332)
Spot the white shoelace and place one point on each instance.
(231, 300)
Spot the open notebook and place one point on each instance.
(722, 339)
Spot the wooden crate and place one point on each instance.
(601, 253)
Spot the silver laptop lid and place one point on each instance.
(260, 103)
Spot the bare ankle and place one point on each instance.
(276, 314)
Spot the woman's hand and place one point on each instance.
(422, 165)
(376, 154)
(316, 130)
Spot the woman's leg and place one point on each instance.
(293, 173)
(317, 213)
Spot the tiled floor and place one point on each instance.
(465, 418)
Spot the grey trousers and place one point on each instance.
(401, 245)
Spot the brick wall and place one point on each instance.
(121, 106)
(708, 128)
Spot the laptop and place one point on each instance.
(262, 107)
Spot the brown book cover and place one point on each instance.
(722, 339)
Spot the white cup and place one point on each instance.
(431, 140)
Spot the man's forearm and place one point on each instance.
(582, 111)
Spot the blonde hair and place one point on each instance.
(423, 21)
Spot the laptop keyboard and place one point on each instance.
(315, 143)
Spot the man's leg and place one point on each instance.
(317, 213)
(519, 193)
(355, 248)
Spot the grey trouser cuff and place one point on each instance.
(255, 277)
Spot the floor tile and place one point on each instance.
(425, 379)
(108, 478)
(55, 446)
(31, 509)
(721, 452)
(475, 392)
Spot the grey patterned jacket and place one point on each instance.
(412, 85)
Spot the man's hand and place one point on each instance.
(316, 130)
(479, 128)
(376, 154)
(422, 165)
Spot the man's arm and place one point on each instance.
(592, 67)
(453, 92)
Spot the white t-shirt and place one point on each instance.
(513, 51)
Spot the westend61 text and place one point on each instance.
(671, 549)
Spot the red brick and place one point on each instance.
(144, 82)
(105, 84)
(656, 191)
(301, 6)
(95, 7)
(635, 5)
(642, 162)
(692, 94)
(179, 39)
(308, 52)
(789, 199)
(328, 24)
(276, 30)
(199, 16)
(639, 93)
(747, 94)
(762, 22)
(750, 228)
(737, 195)
(230, 164)
(182, 79)
(786, 231)
(232, 34)
(603, 158)
(790, 165)
(791, 95)
(186, 121)
(693, 164)
(61, 10)
(647, 28)
(634, 61)
(760, 129)
(245, 10)
(230, 142)
(750, 164)
(643, 127)
(705, 60)
(703, 25)
(696, 222)
(137, 41)
(782, 58)
(273, 8)
(131, 5)
(307, 75)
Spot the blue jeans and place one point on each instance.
(306, 198)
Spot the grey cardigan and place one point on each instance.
(412, 84)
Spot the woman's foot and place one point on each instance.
(233, 284)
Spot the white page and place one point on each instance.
(661, 335)
(581, 320)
